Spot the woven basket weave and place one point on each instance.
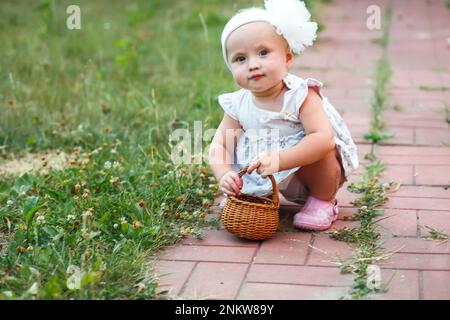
(252, 217)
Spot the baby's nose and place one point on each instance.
(253, 64)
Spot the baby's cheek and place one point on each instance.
(240, 79)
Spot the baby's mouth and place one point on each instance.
(256, 76)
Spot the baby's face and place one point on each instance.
(258, 56)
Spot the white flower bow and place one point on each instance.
(291, 18)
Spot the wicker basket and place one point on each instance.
(252, 217)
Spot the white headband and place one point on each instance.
(289, 17)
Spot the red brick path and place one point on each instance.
(300, 265)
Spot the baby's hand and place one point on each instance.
(231, 184)
(266, 163)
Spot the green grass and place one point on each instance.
(103, 220)
(122, 83)
(109, 94)
(147, 62)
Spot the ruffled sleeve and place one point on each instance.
(298, 93)
(309, 82)
(226, 102)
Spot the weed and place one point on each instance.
(433, 88)
(366, 237)
(436, 234)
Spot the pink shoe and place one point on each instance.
(316, 215)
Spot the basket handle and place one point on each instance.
(274, 185)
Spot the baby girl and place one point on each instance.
(278, 123)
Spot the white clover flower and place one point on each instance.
(115, 226)
(74, 276)
(40, 220)
(96, 151)
(123, 220)
(22, 191)
(71, 217)
(107, 165)
(9, 203)
(34, 289)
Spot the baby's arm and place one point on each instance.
(221, 154)
(319, 139)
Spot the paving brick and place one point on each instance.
(363, 149)
(304, 275)
(359, 92)
(401, 79)
(422, 192)
(416, 245)
(271, 291)
(436, 285)
(399, 222)
(433, 175)
(341, 224)
(418, 261)
(220, 238)
(424, 78)
(399, 173)
(417, 203)
(284, 248)
(358, 132)
(346, 213)
(430, 106)
(172, 275)
(345, 197)
(439, 220)
(327, 252)
(418, 115)
(414, 159)
(407, 150)
(415, 93)
(398, 285)
(432, 136)
(407, 122)
(361, 120)
(401, 135)
(214, 281)
(209, 253)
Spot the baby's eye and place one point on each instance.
(239, 59)
(263, 52)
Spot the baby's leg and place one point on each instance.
(324, 177)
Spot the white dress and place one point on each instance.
(265, 130)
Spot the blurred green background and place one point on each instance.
(134, 67)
